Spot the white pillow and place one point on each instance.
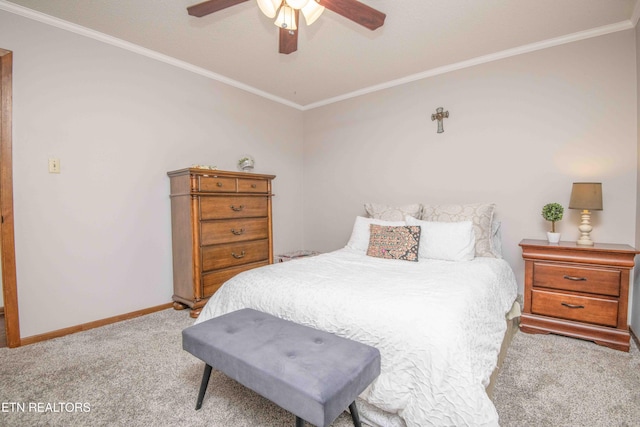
(359, 239)
(449, 241)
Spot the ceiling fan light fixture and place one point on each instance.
(269, 7)
(297, 4)
(312, 11)
(286, 19)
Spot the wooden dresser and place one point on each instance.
(221, 225)
(577, 291)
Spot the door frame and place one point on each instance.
(7, 238)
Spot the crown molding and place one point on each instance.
(570, 38)
(78, 29)
(96, 35)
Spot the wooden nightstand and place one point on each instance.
(577, 291)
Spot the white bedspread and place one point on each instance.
(438, 324)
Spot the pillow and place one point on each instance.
(394, 242)
(481, 214)
(359, 239)
(449, 241)
(392, 213)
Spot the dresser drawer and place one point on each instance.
(233, 230)
(216, 184)
(599, 311)
(233, 254)
(222, 207)
(576, 278)
(212, 281)
(252, 186)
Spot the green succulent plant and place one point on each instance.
(552, 212)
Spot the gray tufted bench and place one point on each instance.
(313, 374)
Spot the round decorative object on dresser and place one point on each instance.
(246, 163)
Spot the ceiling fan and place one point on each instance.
(287, 13)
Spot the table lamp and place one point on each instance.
(586, 196)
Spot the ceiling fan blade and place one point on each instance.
(357, 12)
(289, 38)
(210, 6)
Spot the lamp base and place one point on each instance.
(584, 242)
(585, 229)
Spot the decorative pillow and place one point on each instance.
(449, 241)
(392, 213)
(481, 214)
(359, 239)
(399, 242)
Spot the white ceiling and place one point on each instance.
(336, 58)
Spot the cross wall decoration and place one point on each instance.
(439, 115)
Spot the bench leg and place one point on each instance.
(299, 422)
(354, 414)
(203, 386)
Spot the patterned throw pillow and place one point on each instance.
(394, 242)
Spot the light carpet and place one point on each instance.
(135, 373)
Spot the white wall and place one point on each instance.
(520, 132)
(94, 241)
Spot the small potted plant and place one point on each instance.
(553, 212)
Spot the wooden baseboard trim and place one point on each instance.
(91, 325)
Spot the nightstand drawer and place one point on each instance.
(574, 278)
(599, 311)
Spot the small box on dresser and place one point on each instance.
(221, 225)
(577, 291)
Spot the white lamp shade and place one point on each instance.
(286, 18)
(269, 7)
(297, 4)
(312, 11)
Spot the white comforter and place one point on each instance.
(438, 324)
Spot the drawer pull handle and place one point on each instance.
(219, 184)
(237, 232)
(566, 304)
(575, 279)
(253, 186)
(236, 256)
(237, 208)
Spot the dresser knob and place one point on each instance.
(237, 208)
(253, 186)
(219, 184)
(237, 232)
(236, 256)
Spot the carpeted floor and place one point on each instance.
(135, 373)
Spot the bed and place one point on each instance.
(438, 323)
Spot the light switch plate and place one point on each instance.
(54, 165)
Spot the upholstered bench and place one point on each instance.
(313, 374)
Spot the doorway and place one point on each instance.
(7, 240)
